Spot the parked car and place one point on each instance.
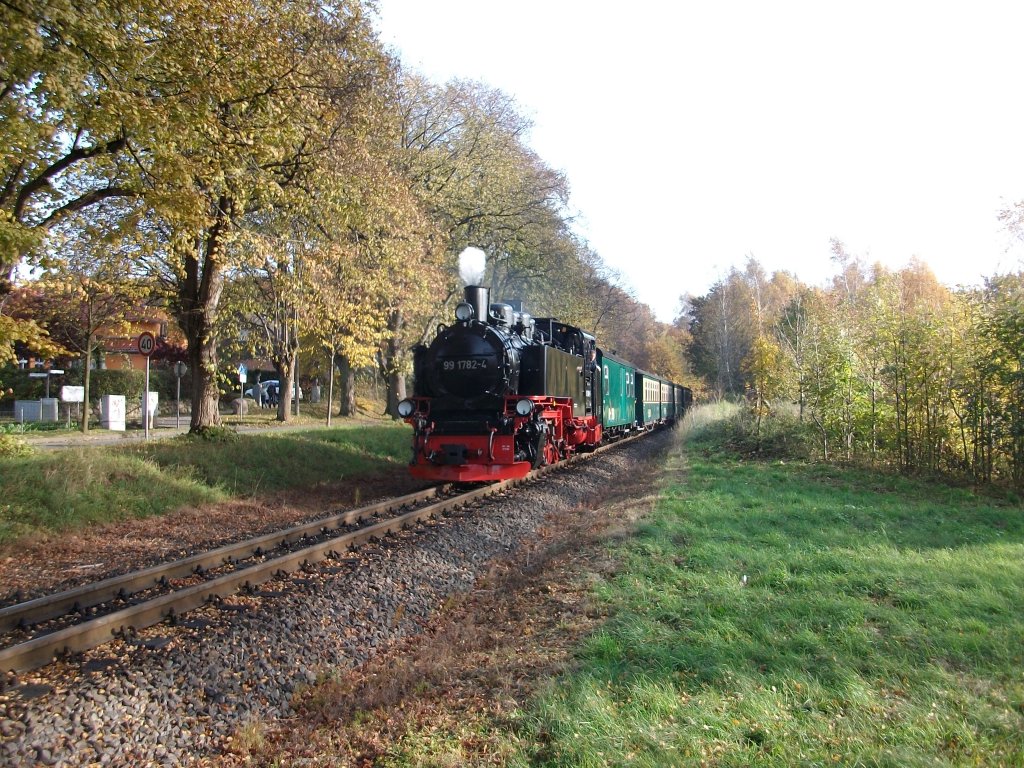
(265, 387)
(272, 392)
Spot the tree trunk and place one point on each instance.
(824, 437)
(396, 387)
(394, 378)
(285, 368)
(198, 299)
(202, 358)
(347, 386)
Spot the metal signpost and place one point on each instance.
(147, 343)
(180, 369)
(243, 374)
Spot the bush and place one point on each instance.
(104, 382)
(13, 447)
(24, 387)
(213, 435)
(131, 383)
(101, 382)
(782, 435)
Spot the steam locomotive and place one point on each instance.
(499, 393)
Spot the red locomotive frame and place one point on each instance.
(475, 458)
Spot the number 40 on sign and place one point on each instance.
(147, 343)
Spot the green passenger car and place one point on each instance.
(682, 398)
(649, 405)
(670, 392)
(618, 380)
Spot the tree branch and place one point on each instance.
(89, 198)
(74, 156)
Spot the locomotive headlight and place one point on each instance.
(405, 408)
(524, 407)
(464, 311)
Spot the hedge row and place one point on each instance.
(101, 382)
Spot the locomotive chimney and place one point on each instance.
(478, 297)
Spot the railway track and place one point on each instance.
(37, 631)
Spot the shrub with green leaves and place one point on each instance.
(13, 447)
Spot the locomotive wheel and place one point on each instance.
(539, 451)
(551, 454)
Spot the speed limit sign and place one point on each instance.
(147, 343)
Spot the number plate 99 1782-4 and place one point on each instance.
(471, 364)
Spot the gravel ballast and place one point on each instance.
(174, 695)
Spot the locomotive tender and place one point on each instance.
(500, 393)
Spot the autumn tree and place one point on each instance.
(1002, 333)
(722, 330)
(378, 291)
(257, 96)
(830, 376)
(191, 116)
(70, 114)
(969, 367)
(463, 155)
(887, 365)
(666, 353)
(585, 292)
(334, 282)
(84, 292)
(791, 331)
(266, 298)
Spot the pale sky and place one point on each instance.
(696, 133)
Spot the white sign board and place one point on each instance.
(70, 394)
(112, 409)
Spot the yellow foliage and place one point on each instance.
(27, 332)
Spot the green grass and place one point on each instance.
(793, 614)
(271, 462)
(19, 428)
(52, 491)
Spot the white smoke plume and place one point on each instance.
(472, 263)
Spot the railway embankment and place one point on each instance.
(134, 491)
(179, 695)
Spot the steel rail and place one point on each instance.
(41, 650)
(89, 634)
(89, 595)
